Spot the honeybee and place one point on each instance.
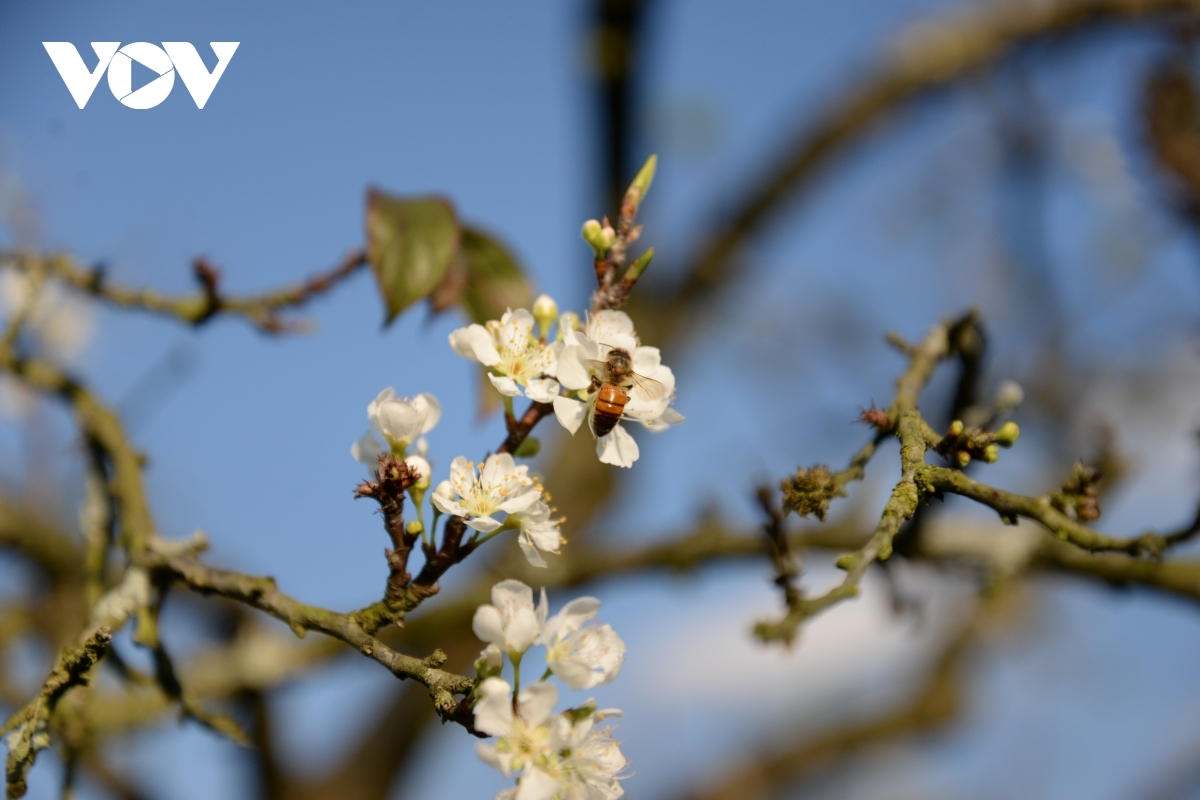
(613, 388)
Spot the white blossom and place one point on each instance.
(605, 331)
(499, 486)
(593, 764)
(510, 622)
(445, 493)
(552, 757)
(538, 531)
(526, 741)
(514, 356)
(419, 465)
(580, 655)
(400, 422)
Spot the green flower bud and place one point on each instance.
(991, 454)
(638, 267)
(545, 311)
(956, 428)
(963, 458)
(414, 528)
(641, 182)
(1008, 434)
(600, 238)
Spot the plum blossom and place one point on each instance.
(538, 531)
(581, 656)
(510, 622)
(552, 756)
(527, 741)
(514, 356)
(593, 764)
(499, 486)
(400, 422)
(607, 330)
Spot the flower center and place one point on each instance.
(522, 357)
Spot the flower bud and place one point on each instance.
(569, 321)
(963, 458)
(638, 267)
(641, 182)
(545, 311)
(956, 428)
(485, 666)
(421, 467)
(600, 238)
(414, 528)
(991, 454)
(1008, 434)
(445, 491)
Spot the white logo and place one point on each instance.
(172, 57)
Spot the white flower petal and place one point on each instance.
(460, 342)
(536, 785)
(512, 594)
(555, 349)
(367, 450)
(617, 448)
(531, 553)
(522, 630)
(419, 466)
(572, 617)
(575, 675)
(537, 703)
(399, 421)
(447, 506)
(669, 417)
(493, 710)
(487, 754)
(496, 470)
(521, 501)
(483, 524)
(646, 360)
(571, 413)
(482, 345)
(573, 371)
(543, 390)
(505, 385)
(488, 625)
(428, 405)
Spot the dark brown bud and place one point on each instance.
(877, 418)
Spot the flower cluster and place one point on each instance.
(563, 755)
(570, 371)
(582, 371)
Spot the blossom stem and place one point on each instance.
(516, 662)
(546, 675)
(477, 540)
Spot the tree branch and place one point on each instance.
(261, 310)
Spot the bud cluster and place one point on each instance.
(961, 444)
(1078, 496)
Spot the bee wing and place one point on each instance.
(600, 365)
(649, 389)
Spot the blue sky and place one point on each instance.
(489, 105)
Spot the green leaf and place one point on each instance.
(410, 244)
(495, 283)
